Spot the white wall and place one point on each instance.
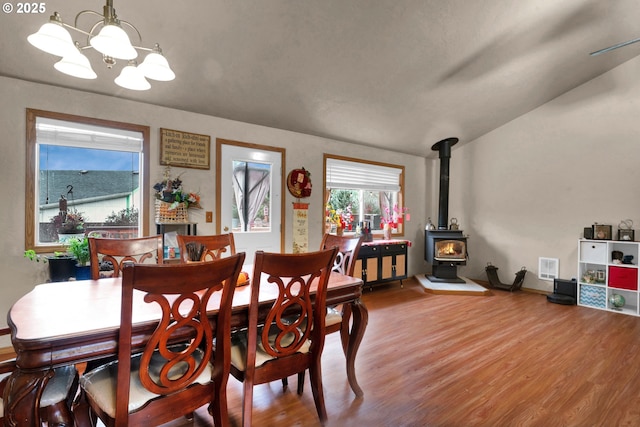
(523, 191)
(20, 275)
(527, 189)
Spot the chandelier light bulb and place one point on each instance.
(156, 67)
(53, 38)
(113, 41)
(132, 78)
(77, 65)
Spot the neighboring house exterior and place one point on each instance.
(95, 194)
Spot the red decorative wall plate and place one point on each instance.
(299, 183)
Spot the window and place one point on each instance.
(251, 197)
(84, 175)
(360, 192)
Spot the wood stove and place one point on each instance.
(445, 249)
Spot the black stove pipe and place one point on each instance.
(444, 149)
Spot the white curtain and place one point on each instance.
(252, 190)
(385, 204)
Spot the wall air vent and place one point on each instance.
(548, 268)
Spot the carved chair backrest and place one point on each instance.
(295, 277)
(118, 251)
(348, 248)
(184, 293)
(208, 247)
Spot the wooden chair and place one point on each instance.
(167, 380)
(345, 263)
(118, 251)
(337, 319)
(263, 354)
(217, 246)
(56, 399)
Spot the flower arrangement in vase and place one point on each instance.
(391, 218)
(170, 190)
(339, 218)
(346, 217)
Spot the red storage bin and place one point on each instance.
(623, 278)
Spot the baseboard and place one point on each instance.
(487, 285)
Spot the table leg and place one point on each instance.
(22, 397)
(351, 338)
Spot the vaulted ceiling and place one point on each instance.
(398, 74)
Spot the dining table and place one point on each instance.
(68, 323)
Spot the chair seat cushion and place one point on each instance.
(333, 317)
(57, 389)
(239, 349)
(100, 383)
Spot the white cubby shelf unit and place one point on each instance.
(600, 275)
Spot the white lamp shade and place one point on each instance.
(77, 65)
(156, 67)
(53, 38)
(113, 41)
(132, 78)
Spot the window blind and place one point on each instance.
(344, 174)
(59, 132)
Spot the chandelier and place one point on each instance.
(111, 41)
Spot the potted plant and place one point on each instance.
(68, 225)
(62, 266)
(79, 248)
(127, 216)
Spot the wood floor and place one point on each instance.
(447, 360)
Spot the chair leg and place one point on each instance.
(344, 328)
(218, 409)
(300, 383)
(247, 403)
(285, 383)
(315, 376)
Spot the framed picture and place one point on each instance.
(626, 235)
(601, 232)
(184, 149)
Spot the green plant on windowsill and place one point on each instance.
(79, 248)
(33, 256)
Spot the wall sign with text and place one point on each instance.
(184, 149)
(300, 228)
